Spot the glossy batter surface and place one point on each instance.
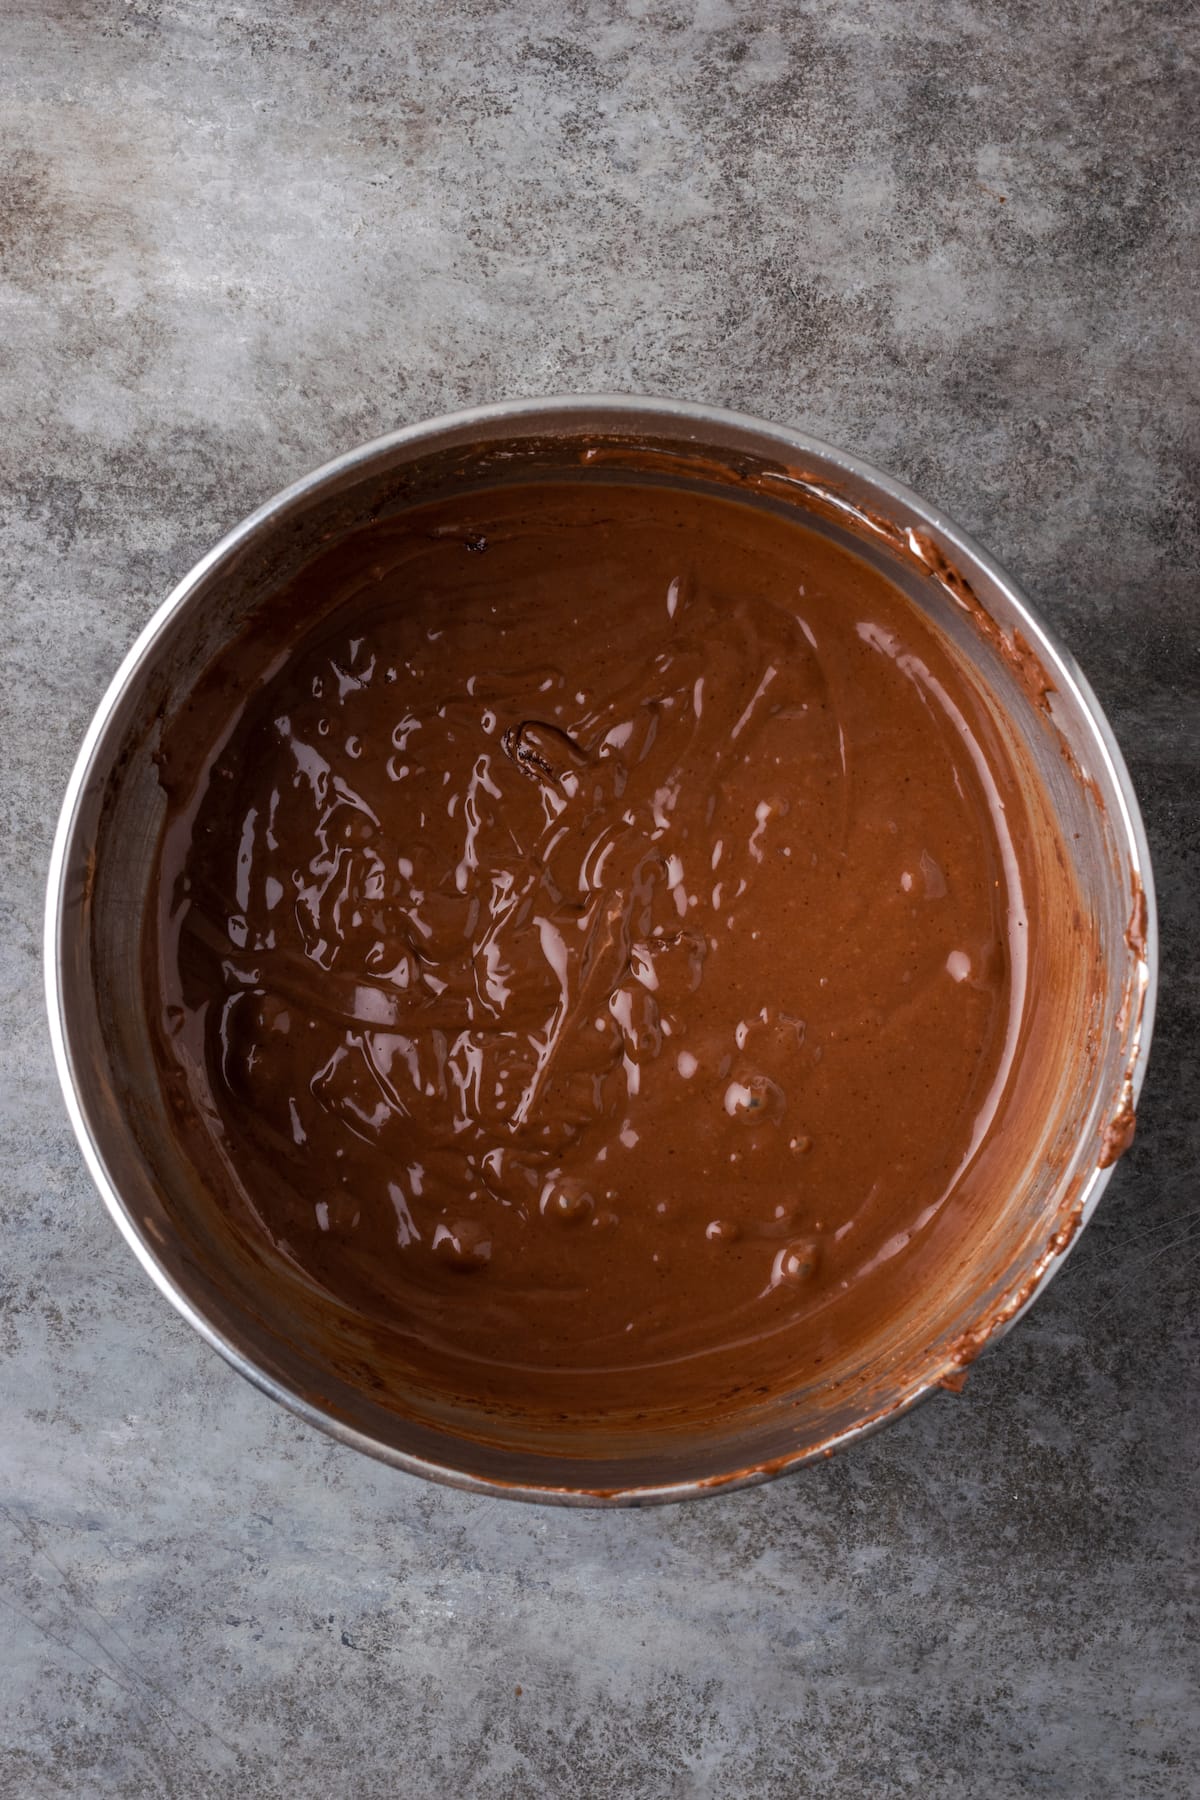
(597, 947)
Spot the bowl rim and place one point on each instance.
(590, 408)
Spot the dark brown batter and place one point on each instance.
(598, 946)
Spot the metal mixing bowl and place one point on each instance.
(103, 857)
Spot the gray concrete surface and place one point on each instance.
(237, 236)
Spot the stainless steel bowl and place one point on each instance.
(102, 861)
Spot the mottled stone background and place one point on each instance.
(952, 235)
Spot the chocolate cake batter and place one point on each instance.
(594, 954)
